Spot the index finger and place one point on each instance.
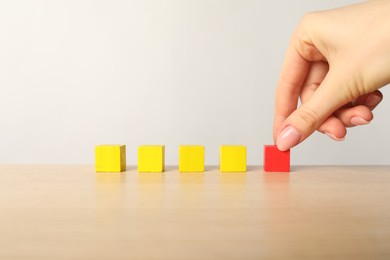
(292, 77)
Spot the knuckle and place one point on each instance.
(307, 18)
(304, 44)
(356, 88)
(357, 83)
(309, 117)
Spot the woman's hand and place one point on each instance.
(336, 62)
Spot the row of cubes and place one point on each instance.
(151, 158)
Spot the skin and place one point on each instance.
(335, 64)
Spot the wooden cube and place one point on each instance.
(110, 158)
(191, 158)
(276, 160)
(232, 158)
(151, 158)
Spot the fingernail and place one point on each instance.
(334, 137)
(288, 138)
(372, 100)
(359, 121)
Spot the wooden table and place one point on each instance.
(315, 212)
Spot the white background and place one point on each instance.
(74, 74)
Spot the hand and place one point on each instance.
(336, 62)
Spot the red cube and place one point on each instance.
(276, 160)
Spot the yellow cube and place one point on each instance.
(151, 158)
(232, 158)
(191, 158)
(110, 158)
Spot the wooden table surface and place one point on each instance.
(315, 212)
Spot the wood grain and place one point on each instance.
(315, 212)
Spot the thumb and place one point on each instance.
(329, 96)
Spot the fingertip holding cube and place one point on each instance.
(151, 158)
(110, 158)
(232, 158)
(191, 158)
(276, 160)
